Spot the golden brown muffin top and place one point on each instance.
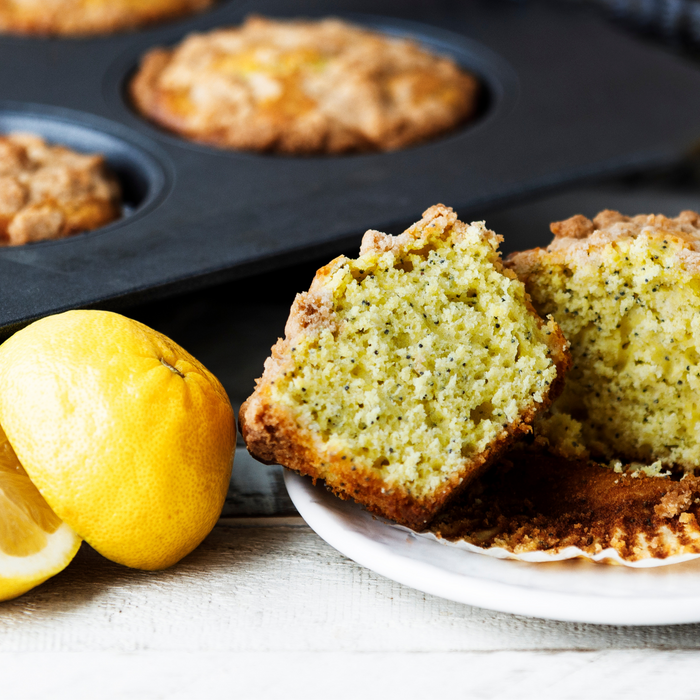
(580, 236)
(84, 17)
(303, 87)
(51, 192)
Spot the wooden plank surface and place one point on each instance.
(514, 675)
(279, 588)
(266, 608)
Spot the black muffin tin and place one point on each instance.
(566, 96)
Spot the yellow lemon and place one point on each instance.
(34, 543)
(128, 438)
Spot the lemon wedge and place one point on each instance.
(34, 543)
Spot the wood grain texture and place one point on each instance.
(316, 676)
(279, 589)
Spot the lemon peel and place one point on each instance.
(128, 437)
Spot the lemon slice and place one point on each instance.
(34, 543)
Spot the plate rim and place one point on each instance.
(480, 591)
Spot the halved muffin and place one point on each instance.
(406, 372)
(626, 293)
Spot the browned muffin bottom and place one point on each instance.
(51, 192)
(84, 17)
(534, 501)
(303, 87)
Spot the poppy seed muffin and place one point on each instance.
(85, 17)
(406, 372)
(626, 293)
(302, 87)
(49, 192)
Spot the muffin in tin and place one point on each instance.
(85, 17)
(303, 87)
(49, 192)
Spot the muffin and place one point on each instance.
(84, 17)
(49, 192)
(405, 372)
(610, 472)
(303, 87)
(626, 293)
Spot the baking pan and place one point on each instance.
(567, 96)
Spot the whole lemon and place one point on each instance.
(128, 438)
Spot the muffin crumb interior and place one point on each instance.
(432, 353)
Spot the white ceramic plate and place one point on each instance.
(575, 590)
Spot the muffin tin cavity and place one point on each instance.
(498, 83)
(140, 174)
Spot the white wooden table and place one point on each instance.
(266, 609)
